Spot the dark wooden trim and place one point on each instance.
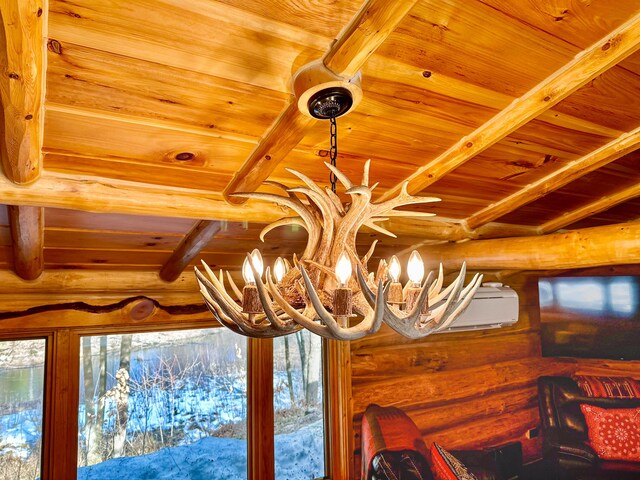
(27, 237)
(60, 428)
(338, 410)
(190, 246)
(260, 419)
(146, 302)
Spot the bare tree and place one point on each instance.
(287, 357)
(122, 396)
(314, 365)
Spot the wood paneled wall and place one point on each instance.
(463, 390)
(469, 389)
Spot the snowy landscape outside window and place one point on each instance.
(163, 405)
(298, 407)
(21, 400)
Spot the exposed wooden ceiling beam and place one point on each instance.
(591, 208)
(21, 88)
(104, 195)
(587, 65)
(190, 246)
(397, 72)
(282, 137)
(27, 236)
(96, 282)
(370, 27)
(589, 247)
(562, 176)
(373, 23)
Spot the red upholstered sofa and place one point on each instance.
(567, 450)
(393, 448)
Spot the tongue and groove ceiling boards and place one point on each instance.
(140, 117)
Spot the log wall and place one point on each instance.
(468, 389)
(463, 390)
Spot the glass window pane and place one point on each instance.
(587, 294)
(622, 295)
(21, 396)
(163, 405)
(297, 384)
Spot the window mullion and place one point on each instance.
(260, 421)
(60, 429)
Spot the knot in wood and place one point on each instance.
(142, 309)
(54, 46)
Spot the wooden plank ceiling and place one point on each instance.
(522, 116)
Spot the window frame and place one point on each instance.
(62, 381)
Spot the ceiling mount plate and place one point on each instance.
(330, 102)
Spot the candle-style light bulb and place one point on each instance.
(279, 269)
(250, 299)
(394, 269)
(247, 273)
(394, 296)
(256, 259)
(415, 268)
(343, 269)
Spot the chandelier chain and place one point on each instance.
(333, 152)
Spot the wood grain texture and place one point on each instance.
(280, 139)
(190, 246)
(61, 425)
(114, 196)
(27, 236)
(339, 408)
(589, 247)
(221, 40)
(558, 178)
(260, 416)
(21, 88)
(88, 284)
(364, 34)
(463, 390)
(591, 208)
(99, 81)
(588, 65)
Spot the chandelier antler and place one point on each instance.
(318, 292)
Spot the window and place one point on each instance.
(298, 408)
(21, 400)
(170, 402)
(151, 400)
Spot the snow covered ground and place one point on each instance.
(299, 456)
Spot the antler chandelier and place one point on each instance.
(318, 290)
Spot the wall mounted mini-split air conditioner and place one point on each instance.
(493, 306)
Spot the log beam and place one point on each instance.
(21, 88)
(105, 195)
(95, 283)
(27, 236)
(285, 133)
(591, 208)
(586, 66)
(373, 23)
(370, 27)
(564, 175)
(590, 247)
(190, 246)
(260, 418)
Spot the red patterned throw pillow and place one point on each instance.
(608, 387)
(614, 433)
(445, 466)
